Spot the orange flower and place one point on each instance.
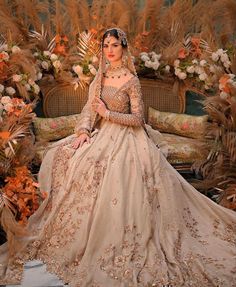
(5, 135)
(182, 53)
(224, 79)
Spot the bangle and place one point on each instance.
(107, 115)
(82, 131)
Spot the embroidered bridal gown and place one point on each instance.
(119, 215)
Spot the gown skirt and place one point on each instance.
(119, 215)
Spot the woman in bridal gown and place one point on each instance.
(117, 213)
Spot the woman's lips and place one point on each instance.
(110, 56)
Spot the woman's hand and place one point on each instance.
(99, 107)
(80, 140)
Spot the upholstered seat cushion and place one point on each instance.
(181, 150)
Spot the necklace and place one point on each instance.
(115, 72)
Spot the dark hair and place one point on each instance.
(114, 33)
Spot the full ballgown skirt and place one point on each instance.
(118, 214)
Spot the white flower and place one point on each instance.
(8, 107)
(36, 88)
(190, 69)
(148, 64)
(143, 53)
(215, 57)
(199, 70)
(31, 82)
(195, 61)
(177, 71)
(39, 76)
(46, 53)
(203, 76)
(53, 57)
(145, 58)
(224, 58)
(10, 91)
(223, 95)
(4, 47)
(45, 65)
(206, 87)
(15, 49)
(234, 84)
(176, 62)
(5, 100)
(232, 76)
(167, 68)
(36, 54)
(5, 56)
(28, 87)
(94, 59)
(77, 69)
(155, 65)
(16, 78)
(220, 52)
(227, 64)
(212, 69)
(57, 64)
(203, 63)
(93, 71)
(182, 76)
(1, 88)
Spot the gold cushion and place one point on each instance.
(50, 129)
(183, 150)
(179, 124)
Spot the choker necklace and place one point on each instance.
(115, 72)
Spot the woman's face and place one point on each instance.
(112, 49)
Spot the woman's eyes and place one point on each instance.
(114, 45)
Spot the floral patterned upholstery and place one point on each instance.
(183, 150)
(51, 129)
(179, 124)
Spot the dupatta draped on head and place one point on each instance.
(88, 116)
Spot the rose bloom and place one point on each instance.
(167, 68)
(215, 57)
(203, 63)
(203, 76)
(176, 63)
(45, 65)
(8, 107)
(17, 78)
(46, 53)
(53, 57)
(57, 64)
(5, 100)
(94, 59)
(28, 87)
(10, 91)
(190, 69)
(182, 75)
(145, 58)
(1, 88)
(15, 49)
(36, 88)
(5, 56)
(39, 76)
(77, 69)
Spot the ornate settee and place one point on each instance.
(164, 111)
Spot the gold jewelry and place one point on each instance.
(107, 115)
(83, 131)
(115, 72)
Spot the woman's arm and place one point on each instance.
(136, 117)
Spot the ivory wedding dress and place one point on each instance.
(118, 214)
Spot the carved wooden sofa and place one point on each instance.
(164, 107)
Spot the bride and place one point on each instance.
(117, 213)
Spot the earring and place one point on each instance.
(124, 59)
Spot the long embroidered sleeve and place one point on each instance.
(135, 117)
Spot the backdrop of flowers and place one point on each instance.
(58, 42)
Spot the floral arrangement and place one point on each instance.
(151, 63)
(197, 64)
(76, 66)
